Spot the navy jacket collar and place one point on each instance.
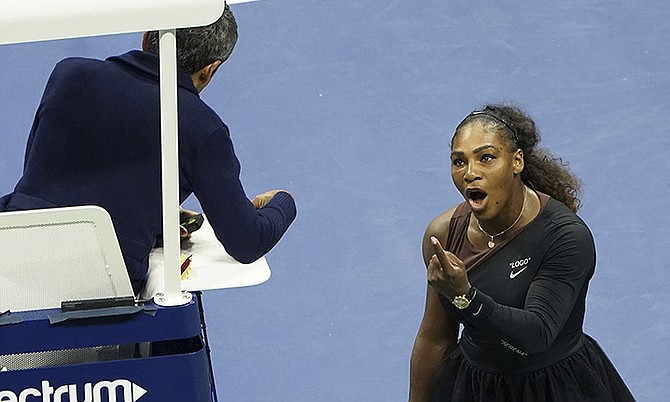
(147, 64)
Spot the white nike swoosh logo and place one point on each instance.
(478, 310)
(513, 274)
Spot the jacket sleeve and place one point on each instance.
(565, 270)
(247, 233)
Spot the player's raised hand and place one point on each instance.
(446, 272)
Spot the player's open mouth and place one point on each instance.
(476, 197)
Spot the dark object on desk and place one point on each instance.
(190, 223)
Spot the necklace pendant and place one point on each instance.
(492, 243)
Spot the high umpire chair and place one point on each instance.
(70, 326)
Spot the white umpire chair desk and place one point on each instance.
(70, 325)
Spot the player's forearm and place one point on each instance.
(426, 356)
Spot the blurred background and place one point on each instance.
(350, 105)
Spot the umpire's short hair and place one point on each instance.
(201, 46)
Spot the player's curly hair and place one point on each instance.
(542, 171)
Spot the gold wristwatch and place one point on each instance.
(463, 301)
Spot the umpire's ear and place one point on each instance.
(202, 77)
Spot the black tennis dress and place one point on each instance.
(522, 337)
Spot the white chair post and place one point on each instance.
(172, 295)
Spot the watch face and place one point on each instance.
(460, 302)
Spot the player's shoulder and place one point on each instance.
(439, 226)
(561, 216)
(441, 221)
(561, 222)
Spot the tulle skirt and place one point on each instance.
(586, 375)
